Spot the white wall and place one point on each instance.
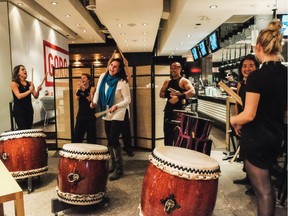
(26, 47)
(5, 71)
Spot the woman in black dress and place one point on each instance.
(262, 119)
(22, 91)
(85, 120)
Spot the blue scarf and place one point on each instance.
(108, 98)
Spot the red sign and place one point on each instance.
(54, 57)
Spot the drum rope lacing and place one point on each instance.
(184, 172)
(29, 173)
(82, 199)
(21, 134)
(84, 155)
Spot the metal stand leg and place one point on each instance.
(30, 187)
(230, 154)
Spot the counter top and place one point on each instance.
(221, 100)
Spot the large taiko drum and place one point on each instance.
(24, 152)
(179, 181)
(82, 173)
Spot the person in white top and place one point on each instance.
(113, 93)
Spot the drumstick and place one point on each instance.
(44, 79)
(234, 95)
(171, 89)
(126, 67)
(101, 113)
(32, 75)
(109, 61)
(235, 155)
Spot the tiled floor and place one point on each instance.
(125, 194)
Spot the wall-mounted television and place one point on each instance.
(195, 53)
(284, 29)
(214, 41)
(203, 48)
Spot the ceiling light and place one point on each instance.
(144, 33)
(91, 5)
(20, 4)
(84, 31)
(119, 25)
(145, 24)
(67, 15)
(188, 35)
(54, 3)
(122, 33)
(213, 6)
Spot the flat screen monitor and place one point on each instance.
(214, 41)
(195, 53)
(203, 48)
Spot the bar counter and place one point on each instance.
(213, 108)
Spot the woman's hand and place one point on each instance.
(113, 108)
(237, 127)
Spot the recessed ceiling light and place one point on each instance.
(213, 6)
(77, 24)
(54, 3)
(67, 15)
(122, 33)
(188, 35)
(119, 25)
(20, 4)
(145, 24)
(144, 33)
(84, 31)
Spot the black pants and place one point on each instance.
(113, 130)
(168, 132)
(82, 127)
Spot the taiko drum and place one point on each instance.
(179, 182)
(24, 152)
(82, 173)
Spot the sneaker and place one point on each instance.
(244, 181)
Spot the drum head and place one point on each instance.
(185, 163)
(84, 151)
(22, 133)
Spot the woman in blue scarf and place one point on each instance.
(113, 93)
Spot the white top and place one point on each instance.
(122, 99)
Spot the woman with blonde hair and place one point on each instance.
(261, 122)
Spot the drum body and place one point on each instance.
(24, 152)
(179, 182)
(82, 173)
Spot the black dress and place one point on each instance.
(261, 138)
(86, 120)
(22, 109)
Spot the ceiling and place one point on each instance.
(174, 26)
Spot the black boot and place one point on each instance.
(118, 172)
(112, 165)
